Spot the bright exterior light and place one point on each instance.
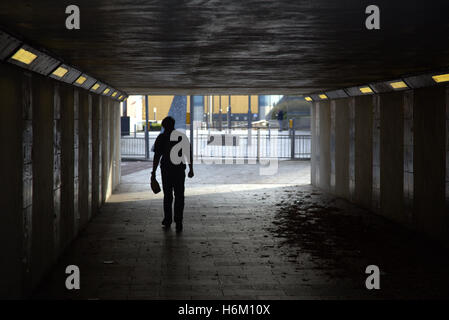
(323, 96)
(81, 80)
(95, 86)
(106, 91)
(441, 78)
(60, 72)
(398, 85)
(366, 90)
(308, 98)
(24, 56)
(114, 94)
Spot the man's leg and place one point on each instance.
(179, 198)
(167, 187)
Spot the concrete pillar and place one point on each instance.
(325, 130)
(376, 154)
(27, 178)
(76, 161)
(408, 156)
(429, 119)
(315, 158)
(67, 218)
(332, 147)
(105, 150)
(392, 155)
(112, 124)
(57, 150)
(351, 169)
(340, 147)
(447, 154)
(15, 165)
(89, 152)
(363, 151)
(100, 150)
(118, 157)
(42, 245)
(96, 149)
(110, 141)
(83, 159)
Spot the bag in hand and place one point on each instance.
(155, 185)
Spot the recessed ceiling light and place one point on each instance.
(366, 90)
(60, 72)
(95, 86)
(441, 78)
(106, 91)
(114, 94)
(81, 80)
(323, 96)
(398, 85)
(120, 98)
(308, 98)
(24, 56)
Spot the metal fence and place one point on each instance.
(254, 144)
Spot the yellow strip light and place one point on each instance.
(24, 56)
(441, 78)
(308, 98)
(106, 91)
(60, 72)
(323, 96)
(120, 98)
(95, 86)
(398, 85)
(366, 90)
(81, 80)
(114, 94)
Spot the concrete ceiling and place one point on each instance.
(237, 46)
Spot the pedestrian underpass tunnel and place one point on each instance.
(378, 146)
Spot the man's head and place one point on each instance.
(168, 123)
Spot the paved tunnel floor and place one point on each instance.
(246, 236)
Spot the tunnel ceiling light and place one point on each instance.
(365, 90)
(24, 56)
(65, 74)
(398, 85)
(34, 60)
(322, 96)
(81, 80)
(308, 99)
(98, 87)
(84, 81)
(60, 72)
(106, 91)
(441, 78)
(114, 94)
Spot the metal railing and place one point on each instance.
(252, 144)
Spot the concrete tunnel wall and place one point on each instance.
(389, 153)
(60, 162)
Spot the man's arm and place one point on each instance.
(156, 159)
(191, 174)
(157, 156)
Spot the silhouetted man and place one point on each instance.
(175, 150)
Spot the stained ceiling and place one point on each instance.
(244, 46)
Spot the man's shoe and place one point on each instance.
(166, 225)
(178, 227)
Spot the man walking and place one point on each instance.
(173, 150)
